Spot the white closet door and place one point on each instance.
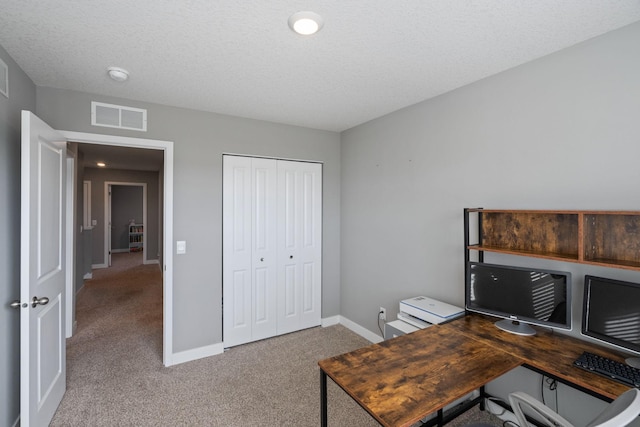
(237, 252)
(299, 245)
(249, 249)
(264, 222)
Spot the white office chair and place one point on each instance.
(619, 413)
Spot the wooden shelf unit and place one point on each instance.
(136, 237)
(605, 238)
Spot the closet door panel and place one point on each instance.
(310, 256)
(237, 252)
(264, 247)
(289, 306)
(299, 249)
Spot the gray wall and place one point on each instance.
(22, 95)
(126, 205)
(98, 177)
(561, 132)
(200, 139)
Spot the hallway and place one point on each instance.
(119, 317)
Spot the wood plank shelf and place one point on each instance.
(605, 238)
(533, 254)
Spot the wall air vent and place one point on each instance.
(118, 116)
(4, 78)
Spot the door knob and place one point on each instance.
(15, 304)
(41, 301)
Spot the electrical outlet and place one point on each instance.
(382, 313)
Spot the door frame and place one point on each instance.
(167, 254)
(107, 219)
(70, 260)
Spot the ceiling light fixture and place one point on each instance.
(305, 23)
(118, 74)
(101, 164)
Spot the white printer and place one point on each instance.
(418, 313)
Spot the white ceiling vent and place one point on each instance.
(4, 79)
(118, 116)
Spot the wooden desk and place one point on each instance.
(401, 381)
(551, 353)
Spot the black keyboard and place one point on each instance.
(609, 368)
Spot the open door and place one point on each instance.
(108, 226)
(42, 271)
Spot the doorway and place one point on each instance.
(126, 220)
(165, 227)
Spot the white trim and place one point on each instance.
(88, 276)
(151, 261)
(86, 205)
(97, 266)
(197, 353)
(330, 321)
(291, 159)
(363, 332)
(216, 349)
(70, 245)
(4, 86)
(167, 246)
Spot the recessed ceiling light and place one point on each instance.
(101, 164)
(305, 23)
(118, 74)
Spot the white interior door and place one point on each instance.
(299, 245)
(108, 226)
(263, 257)
(237, 253)
(249, 248)
(42, 271)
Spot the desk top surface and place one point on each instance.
(400, 381)
(547, 351)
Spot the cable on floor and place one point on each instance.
(381, 332)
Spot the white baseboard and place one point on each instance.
(88, 276)
(196, 353)
(151, 261)
(99, 266)
(120, 251)
(330, 321)
(363, 332)
(215, 349)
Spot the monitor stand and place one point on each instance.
(633, 362)
(515, 327)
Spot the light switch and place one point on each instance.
(181, 247)
(94, 222)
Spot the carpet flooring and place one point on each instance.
(115, 375)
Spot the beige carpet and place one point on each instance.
(115, 375)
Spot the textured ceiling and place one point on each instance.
(239, 57)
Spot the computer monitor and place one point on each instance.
(520, 296)
(611, 313)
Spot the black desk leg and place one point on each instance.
(323, 399)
